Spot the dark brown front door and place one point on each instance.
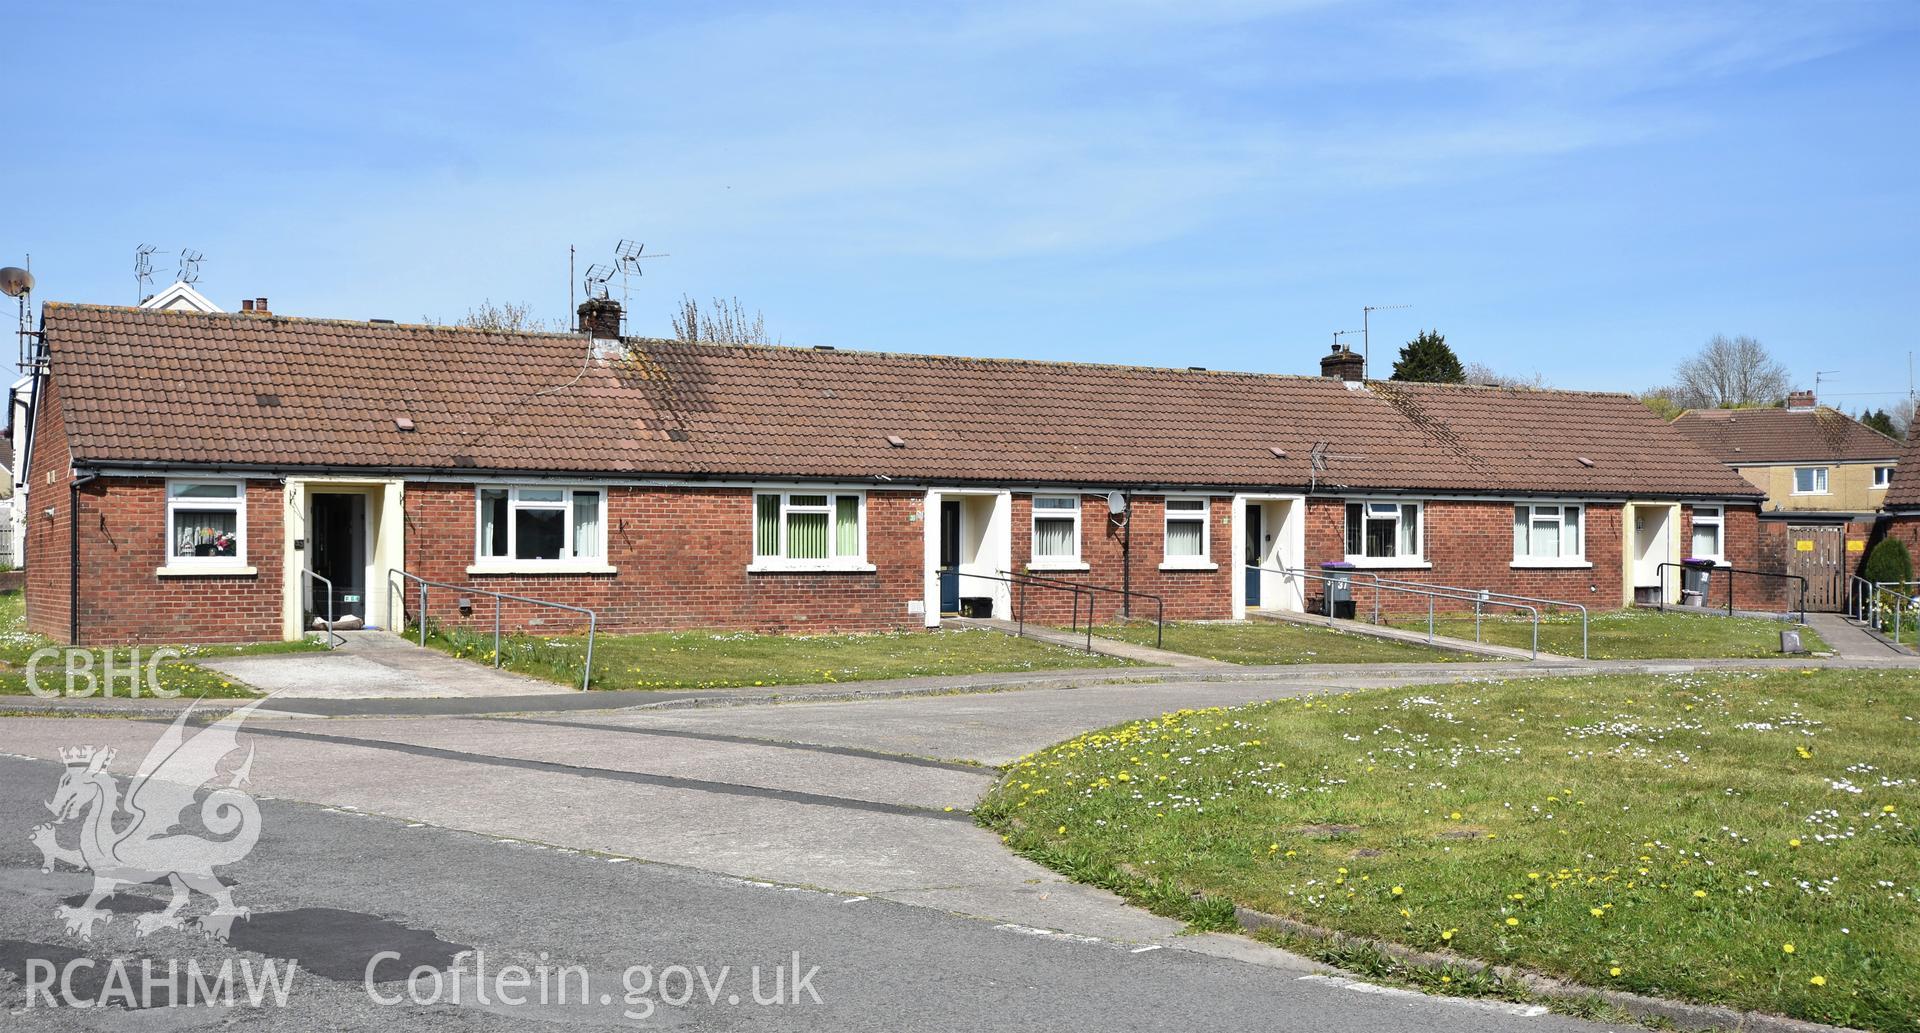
(1817, 552)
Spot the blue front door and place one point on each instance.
(1254, 555)
(950, 556)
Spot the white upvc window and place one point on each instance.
(206, 524)
(1810, 480)
(540, 527)
(1384, 533)
(1188, 540)
(1549, 534)
(1709, 534)
(1882, 476)
(1056, 530)
(810, 530)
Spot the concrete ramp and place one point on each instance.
(1078, 640)
(1417, 638)
(376, 665)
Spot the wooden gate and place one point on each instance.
(1817, 552)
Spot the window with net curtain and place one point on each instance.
(1056, 527)
(1709, 525)
(1186, 530)
(1383, 530)
(1546, 532)
(536, 523)
(805, 526)
(204, 521)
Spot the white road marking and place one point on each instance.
(1503, 1007)
(1048, 934)
(1143, 950)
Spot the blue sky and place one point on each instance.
(1586, 191)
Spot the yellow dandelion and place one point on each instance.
(1398, 890)
(1786, 948)
(1614, 971)
(1513, 921)
(1794, 843)
(1818, 980)
(1700, 893)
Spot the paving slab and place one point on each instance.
(1078, 640)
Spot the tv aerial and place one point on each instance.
(190, 260)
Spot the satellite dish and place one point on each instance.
(15, 282)
(1116, 503)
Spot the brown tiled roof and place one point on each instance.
(168, 387)
(1904, 492)
(1785, 436)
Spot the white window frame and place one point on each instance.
(1578, 558)
(834, 561)
(1204, 561)
(1882, 478)
(1035, 561)
(1822, 483)
(1719, 520)
(1418, 559)
(569, 562)
(237, 504)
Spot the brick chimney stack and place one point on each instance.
(600, 319)
(1800, 401)
(1343, 363)
(254, 306)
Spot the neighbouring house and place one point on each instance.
(180, 297)
(1826, 476)
(1902, 503)
(192, 470)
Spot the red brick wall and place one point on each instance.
(123, 541)
(1470, 544)
(1188, 594)
(46, 560)
(682, 557)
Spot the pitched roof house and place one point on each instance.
(1806, 457)
(218, 461)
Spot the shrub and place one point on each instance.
(1889, 562)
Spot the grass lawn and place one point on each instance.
(1263, 642)
(189, 679)
(736, 659)
(1747, 839)
(1631, 634)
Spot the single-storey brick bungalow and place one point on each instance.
(1902, 503)
(187, 469)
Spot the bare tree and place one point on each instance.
(1902, 413)
(507, 317)
(1729, 373)
(722, 322)
(1482, 374)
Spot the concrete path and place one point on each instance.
(1850, 641)
(1416, 638)
(328, 888)
(376, 664)
(1079, 640)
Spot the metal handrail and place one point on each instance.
(1432, 598)
(1160, 604)
(331, 633)
(1660, 572)
(1902, 603)
(1023, 580)
(1490, 596)
(1862, 606)
(593, 619)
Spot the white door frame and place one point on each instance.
(385, 543)
(1290, 538)
(995, 552)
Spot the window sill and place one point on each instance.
(1379, 564)
(1060, 565)
(535, 568)
(1809, 494)
(208, 570)
(810, 567)
(1551, 565)
(1189, 565)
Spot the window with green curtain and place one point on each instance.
(846, 525)
(766, 525)
(806, 536)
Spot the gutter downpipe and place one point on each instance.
(78, 481)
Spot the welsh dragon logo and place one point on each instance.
(140, 838)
